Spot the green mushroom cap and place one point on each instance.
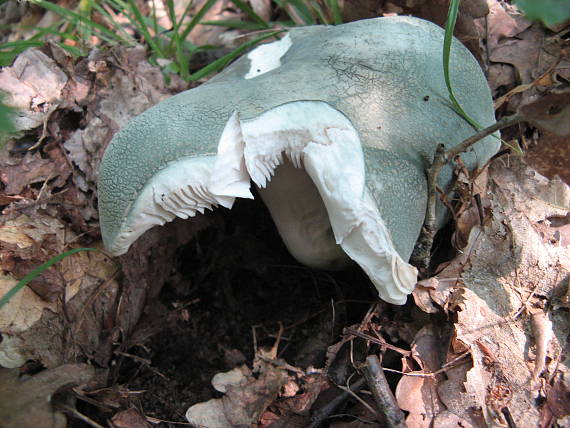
(334, 125)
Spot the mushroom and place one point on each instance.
(334, 125)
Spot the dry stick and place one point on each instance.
(324, 412)
(373, 339)
(421, 255)
(374, 374)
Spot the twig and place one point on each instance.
(505, 122)
(141, 360)
(77, 415)
(324, 412)
(508, 417)
(373, 339)
(389, 410)
(354, 395)
(421, 255)
(281, 364)
(450, 364)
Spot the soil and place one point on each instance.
(485, 336)
(239, 281)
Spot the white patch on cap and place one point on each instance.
(267, 57)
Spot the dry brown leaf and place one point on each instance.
(96, 96)
(301, 403)
(522, 52)
(8, 199)
(37, 329)
(34, 85)
(447, 419)
(431, 295)
(550, 112)
(561, 299)
(31, 169)
(22, 310)
(418, 394)
(539, 59)
(460, 403)
(504, 264)
(37, 230)
(421, 295)
(557, 406)
(471, 212)
(542, 334)
(503, 22)
(13, 233)
(550, 155)
(245, 406)
(214, 35)
(236, 377)
(353, 10)
(465, 28)
(20, 313)
(29, 242)
(501, 77)
(481, 328)
(432, 10)
(508, 262)
(247, 396)
(26, 399)
(130, 418)
(262, 8)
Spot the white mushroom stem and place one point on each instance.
(330, 149)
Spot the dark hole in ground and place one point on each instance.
(232, 279)
(71, 120)
(241, 279)
(22, 145)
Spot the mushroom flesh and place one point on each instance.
(334, 125)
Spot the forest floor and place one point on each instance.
(214, 314)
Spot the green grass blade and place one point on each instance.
(103, 32)
(175, 40)
(449, 27)
(335, 11)
(118, 27)
(317, 10)
(21, 44)
(186, 12)
(6, 117)
(182, 58)
(197, 18)
(36, 272)
(73, 50)
(85, 8)
(154, 19)
(10, 50)
(303, 11)
(171, 12)
(220, 63)
(245, 8)
(143, 28)
(239, 25)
